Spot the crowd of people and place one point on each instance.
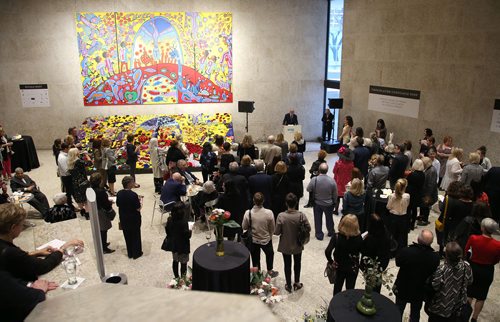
(263, 190)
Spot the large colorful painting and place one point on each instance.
(195, 130)
(155, 58)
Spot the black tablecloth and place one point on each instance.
(343, 308)
(229, 273)
(25, 156)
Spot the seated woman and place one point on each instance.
(61, 211)
(21, 264)
(208, 193)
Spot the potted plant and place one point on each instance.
(373, 275)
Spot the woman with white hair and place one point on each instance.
(61, 211)
(416, 180)
(453, 168)
(157, 156)
(76, 167)
(473, 171)
(485, 255)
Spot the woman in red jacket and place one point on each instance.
(485, 255)
(342, 173)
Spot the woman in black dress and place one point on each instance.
(105, 212)
(178, 235)
(296, 175)
(281, 187)
(377, 244)
(225, 158)
(345, 245)
(129, 209)
(174, 154)
(76, 167)
(247, 147)
(415, 187)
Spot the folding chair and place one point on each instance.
(162, 208)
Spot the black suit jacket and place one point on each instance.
(290, 120)
(398, 167)
(16, 299)
(262, 182)
(16, 183)
(416, 263)
(327, 121)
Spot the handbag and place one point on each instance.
(304, 233)
(331, 272)
(166, 245)
(84, 184)
(246, 236)
(110, 214)
(439, 223)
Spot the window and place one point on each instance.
(334, 56)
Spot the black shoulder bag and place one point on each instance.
(246, 236)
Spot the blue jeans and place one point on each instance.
(318, 220)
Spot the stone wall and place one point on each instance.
(278, 52)
(447, 49)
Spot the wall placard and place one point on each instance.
(34, 95)
(399, 101)
(495, 119)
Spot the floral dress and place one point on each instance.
(79, 180)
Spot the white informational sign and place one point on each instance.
(404, 102)
(495, 119)
(35, 95)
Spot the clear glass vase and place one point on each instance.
(219, 231)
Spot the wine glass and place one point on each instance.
(208, 233)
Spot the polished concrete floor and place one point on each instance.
(154, 268)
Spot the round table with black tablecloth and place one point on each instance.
(25, 156)
(229, 273)
(343, 308)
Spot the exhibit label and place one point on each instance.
(399, 101)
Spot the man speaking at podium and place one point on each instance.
(290, 118)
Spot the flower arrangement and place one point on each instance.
(320, 315)
(222, 217)
(182, 283)
(374, 275)
(260, 284)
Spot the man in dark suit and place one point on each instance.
(21, 182)
(327, 120)
(398, 165)
(261, 182)
(416, 263)
(173, 189)
(290, 118)
(182, 168)
(361, 156)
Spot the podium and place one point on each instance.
(289, 132)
